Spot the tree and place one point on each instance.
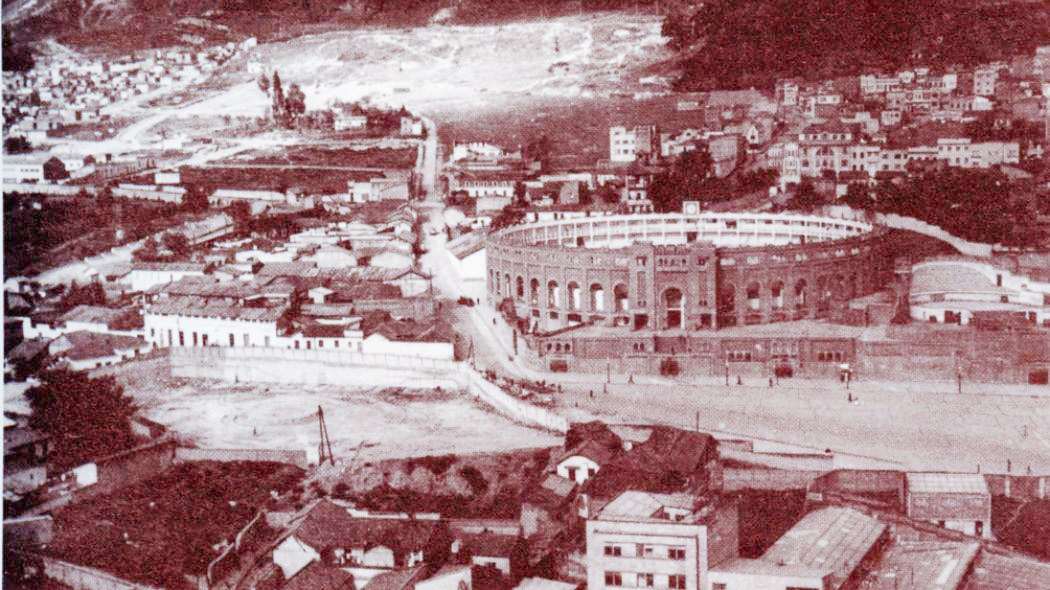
(278, 98)
(195, 200)
(17, 58)
(87, 418)
(858, 196)
(264, 83)
(686, 179)
(805, 197)
(295, 101)
(17, 145)
(88, 294)
(519, 193)
(586, 198)
(177, 243)
(609, 194)
(149, 252)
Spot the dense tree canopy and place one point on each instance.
(683, 181)
(740, 44)
(977, 205)
(87, 418)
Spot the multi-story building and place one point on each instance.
(631, 145)
(648, 540)
(1041, 64)
(984, 81)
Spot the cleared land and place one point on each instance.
(387, 415)
(334, 156)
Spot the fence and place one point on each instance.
(297, 458)
(804, 462)
(80, 577)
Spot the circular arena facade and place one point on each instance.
(682, 272)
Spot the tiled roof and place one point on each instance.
(488, 544)
(329, 525)
(924, 564)
(169, 266)
(93, 314)
(92, 345)
(189, 307)
(394, 580)
(318, 576)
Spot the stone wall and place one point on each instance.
(297, 458)
(79, 577)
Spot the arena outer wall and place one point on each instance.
(683, 272)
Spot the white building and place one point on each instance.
(630, 145)
(144, 275)
(957, 501)
(642, 539)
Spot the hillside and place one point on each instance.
(731, 44)
(136, 24)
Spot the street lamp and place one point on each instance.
(727, 372)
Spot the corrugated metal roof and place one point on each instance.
(947, 483)
(834, 538)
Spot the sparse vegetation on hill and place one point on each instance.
(731, 44)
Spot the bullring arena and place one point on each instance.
(679, 272)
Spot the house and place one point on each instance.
(544, 504)
(366, 546)
(583, 461)
(27, 357)
(957, 501)
(25, 455)
(425, 339)
(411, 126)
(631, 145)
(643, 539)
(93, 318)
(333, 256)
(826, 549)
(449, 577)
(90, 350)
(490, 549)
(544, 584)
(38, 167)
(318, 576)
(379, 188)
(145, 275)
(347, 120)
(205, 230)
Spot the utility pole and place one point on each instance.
(325, 445)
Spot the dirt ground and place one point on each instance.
(375, 422)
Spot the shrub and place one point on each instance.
(477, 482)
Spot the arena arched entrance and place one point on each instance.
(674, 308)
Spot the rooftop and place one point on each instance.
(92, 345)
(741, 565)
(835, 538)
(169, 266)
(544, 584)
(929, 565)
(94, 314)
(637, 506)
(192, 307)
(947, 483)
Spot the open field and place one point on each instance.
(160, 529)
(309, 155)
(364, 420)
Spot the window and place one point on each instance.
(613, 579)
(610, 550)
(645, 580)
(718, 586)
(231, 340)
(676, 553)
(245, 339)
(676, 582)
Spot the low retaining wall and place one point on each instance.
(80, 577)
(804, 462)
(65, 190)
(510, 406)
(286, 365)
(297, 458)
(767, 479)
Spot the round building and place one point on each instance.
(682, 272)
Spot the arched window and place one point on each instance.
(534, 292)
(520, 290)
(753, 301)
(674, 308)
(776, 293)
(620, 298)
(597, 297)
(800, 294)
(727, 298)
(553, 294)
(574, 296)
(507, 284)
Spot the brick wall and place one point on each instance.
(767, 479)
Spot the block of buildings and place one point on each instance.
(640, 143)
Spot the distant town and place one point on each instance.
(358, 311)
